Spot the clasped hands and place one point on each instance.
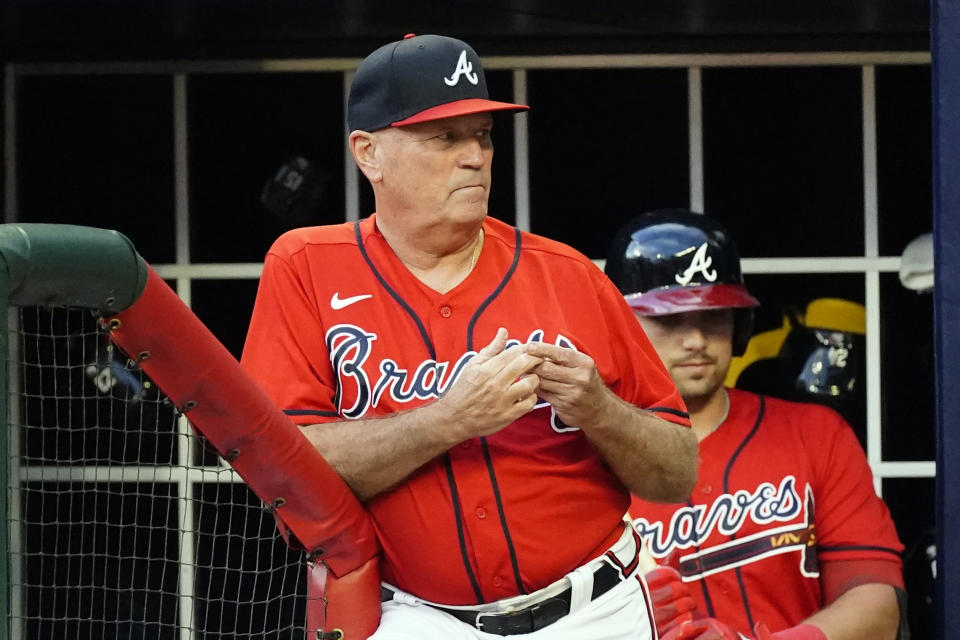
(500, 384)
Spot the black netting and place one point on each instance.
(122, 525)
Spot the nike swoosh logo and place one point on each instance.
(336, 302)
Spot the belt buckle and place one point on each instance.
(499, 615)
(478, 623)
(509, 613)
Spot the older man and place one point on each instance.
(486, 392)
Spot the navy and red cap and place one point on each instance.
(673, 261)
(418, 79)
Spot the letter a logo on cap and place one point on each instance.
(463, 68)
(701, 262)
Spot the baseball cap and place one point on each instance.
(418, 79)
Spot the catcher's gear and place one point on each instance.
(673, 260)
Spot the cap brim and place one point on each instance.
(459, 108)
(661, 302)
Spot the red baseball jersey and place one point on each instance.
(783, 488)
(342, 330)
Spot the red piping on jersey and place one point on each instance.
(627, 569)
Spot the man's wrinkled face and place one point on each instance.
(440, 169)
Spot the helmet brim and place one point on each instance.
(662, 302)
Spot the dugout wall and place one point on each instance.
(946, 101)
(104, 536)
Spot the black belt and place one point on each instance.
(536, 616)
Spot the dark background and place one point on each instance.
(782, 145)
(117, 29)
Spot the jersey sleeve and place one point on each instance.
(839, 576)
(853, 523)
(284, 350)
(641, 380)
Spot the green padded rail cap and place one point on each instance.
(71, 266)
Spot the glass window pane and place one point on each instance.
(800, 368)
(98, 151)
(367, 203)
(907, 385)
(99, 560)
(903, 155)
(605, 145)
(81, 402)
(249, 584)
(783, 159)
(242, 129)
(224, 306)
(911, 502)
(503, 201)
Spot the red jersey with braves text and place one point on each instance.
(342, 330)
(783, 489)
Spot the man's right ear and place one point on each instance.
(363, 146)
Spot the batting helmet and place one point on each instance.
(673, 260)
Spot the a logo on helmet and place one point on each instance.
(701, 262)
(463, 68)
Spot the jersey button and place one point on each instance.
(706, 488)
(497, 581)
(446, 311)
(481, 513)
(465, 445)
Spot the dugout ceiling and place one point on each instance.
(68, 30)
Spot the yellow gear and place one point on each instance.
(823, 313)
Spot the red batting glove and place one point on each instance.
(760, 630)
(702, 629)
(672, 603)
(713, 629)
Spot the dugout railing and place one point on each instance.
(153, 490)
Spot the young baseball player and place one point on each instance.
(457, 374)
(783, 530)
